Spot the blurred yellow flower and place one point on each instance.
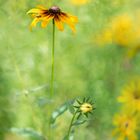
(131, 96)
(79, 2)
(123, 30)
(126, 127)
(120, 31)
(43, 15)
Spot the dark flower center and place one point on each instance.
(126, 124)
(54, 10)
(137, 95)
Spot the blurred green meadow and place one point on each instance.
(97, 61)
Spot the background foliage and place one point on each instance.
(85, 65)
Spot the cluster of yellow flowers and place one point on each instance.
(123, 30)
(127, 122)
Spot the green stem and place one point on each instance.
(52, 71)
(72, 120)
(52, 75)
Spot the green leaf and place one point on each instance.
(42, 101)
(66, 138)
(59, 111)
(71, 109)
(79, 122)
(71, 137)
(27, 132)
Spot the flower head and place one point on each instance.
(85, 107)
(131, 96)
(121, 30)
(126, 127)
(43, 15)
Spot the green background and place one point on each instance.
(82, 68)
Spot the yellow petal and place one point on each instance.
(59, 24)
(121, 137)
(138, 105)
(69, 21)
(34, 22)
(72, 27)
(115, 131)
(73, 19)
(45, 21)
(133, 137)
(35, 11)
(121, 99)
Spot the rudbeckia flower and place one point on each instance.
(85, 107)
(43, 15)
(131, 96)
(126, 127)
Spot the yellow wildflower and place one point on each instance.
(79, 2)
(126, 127)
(86, 107)
(123, 30)
(43, 15)
(131, 96)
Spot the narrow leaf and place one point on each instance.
(79, 122)
(59, 111)
(27, 132)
